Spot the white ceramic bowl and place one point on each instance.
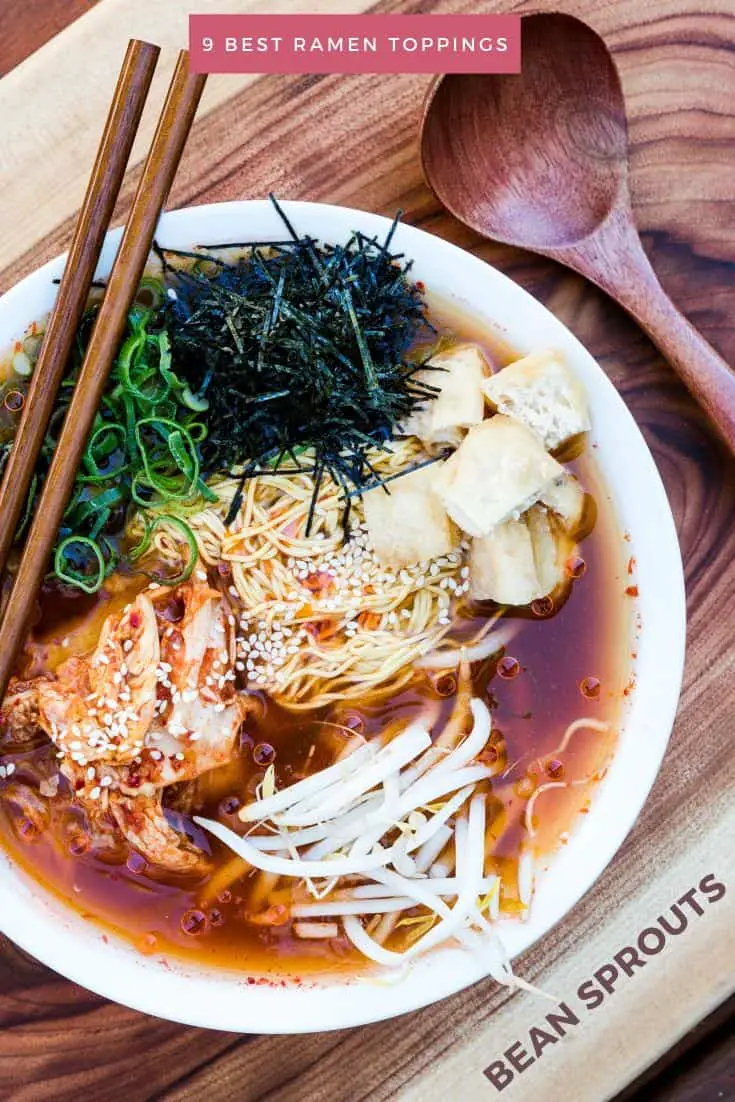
(184, 992)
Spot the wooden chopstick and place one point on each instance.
(93, 222)
(158, 174)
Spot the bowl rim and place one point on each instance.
(93, 956)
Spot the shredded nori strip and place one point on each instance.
(298, 345)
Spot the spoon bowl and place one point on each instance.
(539, 160)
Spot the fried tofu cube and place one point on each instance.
(409, 523)
(520, 560)
(457, 374)
(544, 394)
(499, 470)
(502, 565)
(565, 498)
(552, 547)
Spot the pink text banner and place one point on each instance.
(355, 43)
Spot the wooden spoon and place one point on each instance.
(539, 160)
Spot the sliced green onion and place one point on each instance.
(67, 571)
(197, 431)
(199, 405)
(180, 447)
(141, 548)
(156, 288)
(100, 446)
(206, 492)
(142, 453)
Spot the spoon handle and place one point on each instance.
(614, 259)
(703, 371)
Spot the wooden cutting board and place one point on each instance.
(352, 140)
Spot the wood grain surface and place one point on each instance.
(25, 29)
(353, 140)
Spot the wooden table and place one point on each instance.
(352, 140)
